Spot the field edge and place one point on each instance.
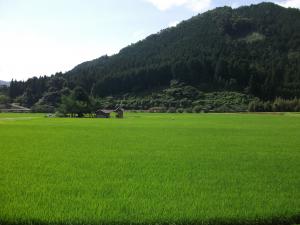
(292, 220)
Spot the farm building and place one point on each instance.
(105, 113)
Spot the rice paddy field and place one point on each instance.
(150, 169)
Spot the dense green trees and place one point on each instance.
(278, 105)
(4, 99)
(253, 50)
(16, 89)
(4, 90)
(76, 103)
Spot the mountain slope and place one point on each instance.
(255, 48)
(4, 83)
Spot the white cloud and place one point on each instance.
(198, 5)
(166, 4)
(290, 3)
(194, 5)
(173, 24)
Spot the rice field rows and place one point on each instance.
(150, 169)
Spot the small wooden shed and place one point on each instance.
(103, 113)
(106, 113)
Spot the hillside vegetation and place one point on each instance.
(254, 50)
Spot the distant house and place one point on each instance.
(105, 113)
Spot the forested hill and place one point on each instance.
(256, 47)
(253, 50)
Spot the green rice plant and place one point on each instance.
(150, 169)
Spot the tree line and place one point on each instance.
(252, 50)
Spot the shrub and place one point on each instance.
(4, 99)
(43, 108)
(188, 110)
(267, 106)
(180, 110)
(223, 109)
(283, 105)
(279, 105)
(20, 100)
(256, 106)
(157, 110)
(197, 109)
(172, 110)
(60, 115)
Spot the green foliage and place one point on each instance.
(4, 90)
(282, 105)
(253, 50)
(56, 83)
(171, 110)
(79, 94)
(188, 110)
(37, 108)
(256, 106)
(150, 169)
(180, 110)
(278, 105)
(16, 89)
(254, 37)
(158, 110)
(4, 100)
(197, 109)
(184, 98)
(19, 100)
(77, 103)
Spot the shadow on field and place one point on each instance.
(272, 221)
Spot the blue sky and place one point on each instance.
(41, 37)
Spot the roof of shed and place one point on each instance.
(106, 111)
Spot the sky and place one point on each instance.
(42, 37)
